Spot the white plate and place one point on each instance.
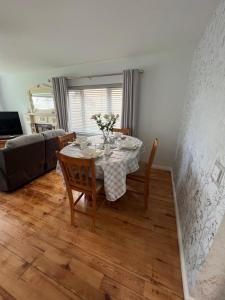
(129, 146)
(94, 154)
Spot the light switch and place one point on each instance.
(217, 173)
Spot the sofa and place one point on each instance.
(27, 157)
(51, 145)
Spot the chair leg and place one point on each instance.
(70, 194)
(65, 195)
(89, 200)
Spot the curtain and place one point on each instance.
(130, 99)
(60, 92)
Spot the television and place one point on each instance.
(10, 124)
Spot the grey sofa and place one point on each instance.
(27, 157)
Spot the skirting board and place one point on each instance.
(179, 234)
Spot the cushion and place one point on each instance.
(24, 140)
(53, 133)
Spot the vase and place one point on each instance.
(106, 136)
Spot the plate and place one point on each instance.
(75, 143)
(128, 145)
(134, 147)
(92, 154)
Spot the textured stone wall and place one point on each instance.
(201, 145)
(210, 284)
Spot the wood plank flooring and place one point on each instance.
(133, 255)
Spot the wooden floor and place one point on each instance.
(132, 255)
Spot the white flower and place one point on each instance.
(105, 122)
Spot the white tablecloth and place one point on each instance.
(112, 169)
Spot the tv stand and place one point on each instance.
(5, 138)
(2, 143)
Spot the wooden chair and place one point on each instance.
(142, 175)
(79, 175)
(125, 131)
(65, 139)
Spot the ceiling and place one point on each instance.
(44, 34)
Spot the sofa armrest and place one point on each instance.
(3, 172)
(22, 164)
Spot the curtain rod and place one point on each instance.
(94, 76)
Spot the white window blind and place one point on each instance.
(86, 101)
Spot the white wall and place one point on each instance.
(161, 98)
(1, 97)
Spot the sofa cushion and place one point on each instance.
(53, 133)
(24, 140)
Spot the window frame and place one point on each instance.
(94, 86)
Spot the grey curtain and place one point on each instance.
(60, 91)
(130, 99)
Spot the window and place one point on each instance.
(86, 101)
(43, 101)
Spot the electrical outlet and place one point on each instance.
(217, 173)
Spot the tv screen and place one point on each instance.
(10, 123)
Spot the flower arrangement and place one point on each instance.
(105, 123)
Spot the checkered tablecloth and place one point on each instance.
(112, 169)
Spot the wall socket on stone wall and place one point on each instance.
(218, 173)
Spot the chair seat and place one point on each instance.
(140, 173)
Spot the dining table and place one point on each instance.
(112, 167)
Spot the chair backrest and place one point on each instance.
(65, 139)
(152, 157)
(78, 173)
(125, 131)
